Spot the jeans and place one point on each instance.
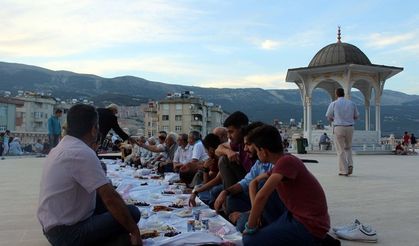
(283, 231)
(273, 209)
(53, 140)
(99, 229)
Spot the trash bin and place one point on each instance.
(301, 145)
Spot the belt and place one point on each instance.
(345, 125)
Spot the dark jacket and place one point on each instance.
(108, 121)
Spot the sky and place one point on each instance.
(212, 43)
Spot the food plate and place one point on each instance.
(184, 213)
(159, 208)
(208, 213)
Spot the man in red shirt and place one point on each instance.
(305, 219)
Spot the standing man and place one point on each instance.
(54, 128)
(108, 121)
(343, 113)
(72, 176)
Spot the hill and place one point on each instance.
(398, 109)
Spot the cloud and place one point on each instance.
(53, 28)
(269, 44)
(380, 40)
(265, 81)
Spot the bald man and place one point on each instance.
(221, 132)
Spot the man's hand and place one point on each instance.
(136, 239)
(220, 200)
(233, 156)
(192, 201)
(233, 217)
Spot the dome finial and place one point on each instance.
(338, 34)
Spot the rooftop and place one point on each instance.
(382, 192)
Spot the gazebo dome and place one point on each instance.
(339, 53)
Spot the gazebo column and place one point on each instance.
(367, 115)
(378, 119)
(305, 117)
(309, 120)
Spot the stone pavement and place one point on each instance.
(383, 192)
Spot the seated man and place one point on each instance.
(304, 219)
(324, 140)
(237, 196)
(234, 162)
(209, 175)
(72, 176)
(183, 154)
(199, 155)
(400, 150)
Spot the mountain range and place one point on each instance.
(398, 109)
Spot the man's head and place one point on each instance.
(170, 139)
(182, 140)
(162, 136)
(221, 132)
(193, 137)
(211, 142)
(234, 124)
(82, 122)
(266, 140)
(340, 92)
(248, 146)
(113, 108)
(58, 112)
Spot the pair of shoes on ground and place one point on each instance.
(356, 231)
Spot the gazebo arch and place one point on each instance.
(342, 65)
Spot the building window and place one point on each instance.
(165, 106)
(178, 117)
(179, 106)
(178, 128)
(165, 128)
(165, 117)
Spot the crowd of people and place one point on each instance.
(240, 170)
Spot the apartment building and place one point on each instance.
(182, 113)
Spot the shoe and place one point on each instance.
(347, 227)
(350, 170)
(343, 174)
(360, 233)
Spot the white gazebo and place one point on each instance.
(346, 66)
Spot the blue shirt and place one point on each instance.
(343, 112)
(54, 126)
(257, 169)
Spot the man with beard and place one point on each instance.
(237, 196)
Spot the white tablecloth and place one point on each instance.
(150, 191)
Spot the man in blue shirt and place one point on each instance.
(54, 128)
(237, 195)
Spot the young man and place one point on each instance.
(54, 128)
(304, 219)
(237, 195)
(210, 175)
(234, 162)
(72, 176)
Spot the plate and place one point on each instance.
(184, 213)
(208, 213)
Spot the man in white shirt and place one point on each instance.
(199, 155)
(183, 154)
(343, 113)
(71, 178)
